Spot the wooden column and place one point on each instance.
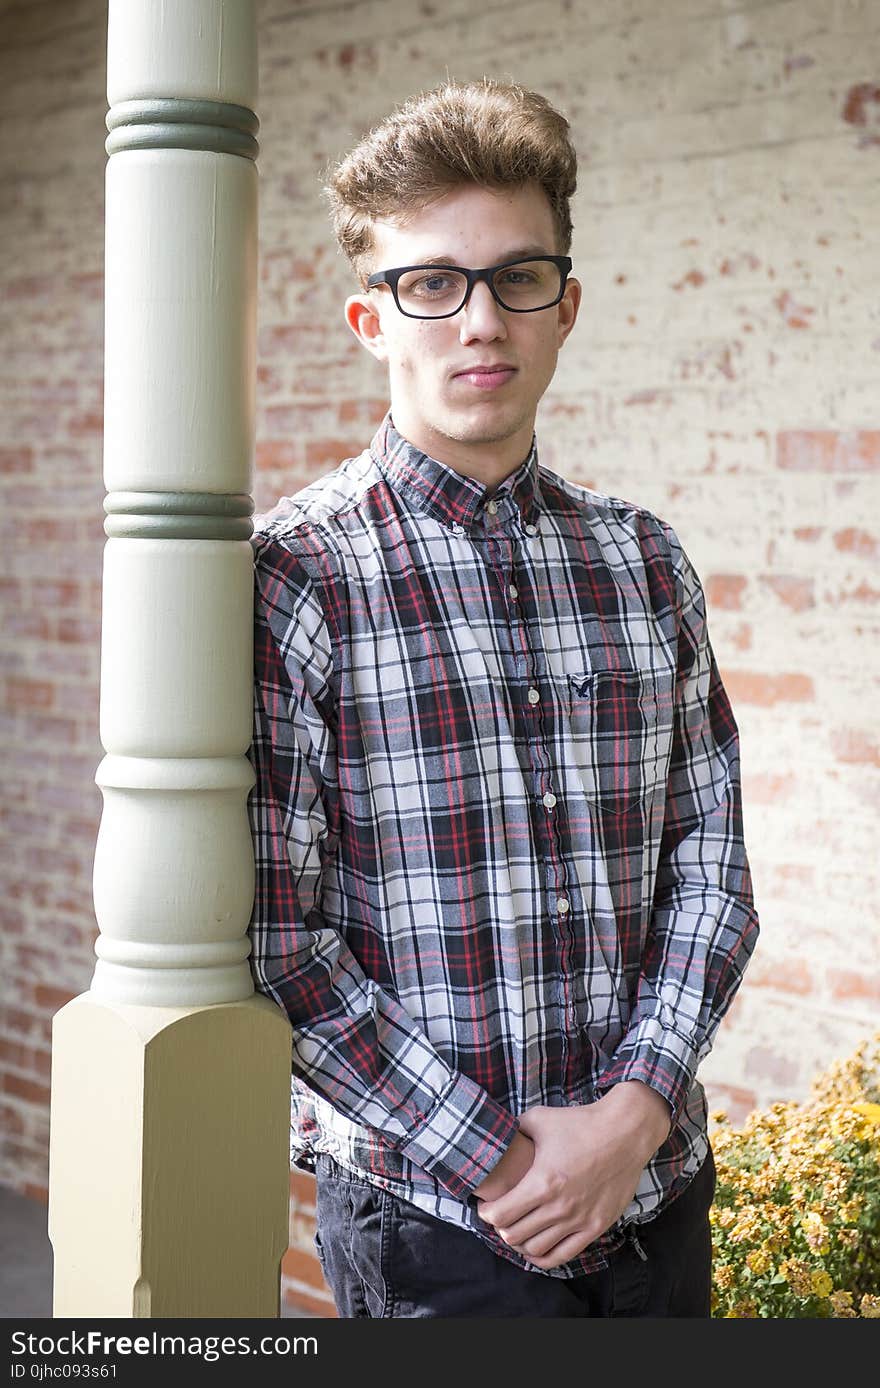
(169, 1168)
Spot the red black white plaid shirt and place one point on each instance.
(497, 820)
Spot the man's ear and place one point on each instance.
(362, 316)
(567, 311)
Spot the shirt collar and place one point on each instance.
(440, 491)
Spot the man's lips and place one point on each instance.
(486, 375)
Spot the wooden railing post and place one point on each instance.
(170, 1078)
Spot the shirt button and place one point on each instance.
(492, 507)
(458, 530)
(531, 530)
(562, 905)
(513, 590)
(549, 799)
(533, 696)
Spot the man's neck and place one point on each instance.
(488, 463)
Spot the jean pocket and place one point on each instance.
(616, 727)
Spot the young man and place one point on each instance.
(502, 892)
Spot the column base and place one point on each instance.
(169, 1159)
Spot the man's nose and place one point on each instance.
(482, 315)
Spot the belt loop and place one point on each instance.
(634, 1240)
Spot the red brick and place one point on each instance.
(89, 422)
(24, 1089)
(734, 1100)
(754, 687)
(855, 746)
(796, 593)
(369, 413)
(848, 985)
(282, 339)
(277, 453)
(79, 630)
(801, 873)
(312, 1305)
(268, 381)
(26, 1058)
(27, 1024)
(765, 788)
(302, 1189)
(52, 998)
(328, 453)
(855, 541)
(725, 591)
(31, 287)
(15, 461)
(863, 592)
(27, 626)
(29, 694)
(828, 450)
(62, 593)
(303, 1267)
(694, 278)
(41, 730)
(796, 315)
(783, 975)
(781, 1067)
(11, 1120)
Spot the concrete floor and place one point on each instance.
(26, 1259)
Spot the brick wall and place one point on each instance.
(723, 372)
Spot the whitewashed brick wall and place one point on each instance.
(723, 372)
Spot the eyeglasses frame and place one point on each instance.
(391, 277)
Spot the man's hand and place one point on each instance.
(509, 1171)
(587, 1164)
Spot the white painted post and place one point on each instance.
(169, 1172)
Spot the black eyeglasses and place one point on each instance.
(441, 291)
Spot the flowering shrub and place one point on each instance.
(796, 1216)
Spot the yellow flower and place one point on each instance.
(821, 1283)
(841, 1301)
(869, 1111)
(815, 1232)
(797, 1274)
(759, 1260)
(869, 1307)
(851, 1209)
(743, 1310)
(723, 1277)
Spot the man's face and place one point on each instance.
(479, 423)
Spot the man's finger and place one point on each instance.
(513, 1206)
(534, 1225)
(568, 1247)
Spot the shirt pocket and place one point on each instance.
(616, 727)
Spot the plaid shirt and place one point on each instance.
(497, 820)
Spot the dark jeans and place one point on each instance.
(384, 1258)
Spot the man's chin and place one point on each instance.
(482, 426)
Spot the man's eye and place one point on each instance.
(432, 284)
(518, 277)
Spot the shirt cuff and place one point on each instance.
(659, 1055)
(462, 1138)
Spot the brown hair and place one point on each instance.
(486, 132)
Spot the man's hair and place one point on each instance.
(494, 134)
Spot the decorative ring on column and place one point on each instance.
(178, 516)
(217, 126)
